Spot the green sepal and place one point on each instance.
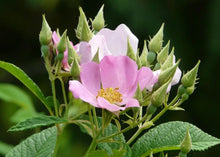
(45, 35)
(167, 74)
(98, 23)
(155, 44)
(169, 61)
(189, 78)
(61, 46)
(162, 55)
(144, 53)
(159, 95)
(130, 51)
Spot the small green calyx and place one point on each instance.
(45, 35)
(151, 56)
(98, 23)
(155, 44)
(45, 50)
(130, 51)
(189, 78)
(61, 46)
(181, 90)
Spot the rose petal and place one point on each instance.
(117, 39)
(84, 52)
(103, 103)
(176, 77)
(130, 102)
(98, 44)
(90, 77)
(120, 71)
(146, 77)
(80, 91)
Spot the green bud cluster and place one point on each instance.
(188, 83)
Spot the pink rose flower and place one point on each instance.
(111, 85)
(108, 42)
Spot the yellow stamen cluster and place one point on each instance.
(110, 94)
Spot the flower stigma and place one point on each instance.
(110, 94)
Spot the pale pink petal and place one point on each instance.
(55, 38)
(146, 77)
(117, 39)
(130, 102)
(98, 44)
(84, 52)
(176, 77)
(80, 91)
(121, 72)
(90, 76)
(103, 103)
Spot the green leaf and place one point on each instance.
(25, 79)
(21, 115)
(98, 153)
(13, 94)
(36, 122)
(168, 136)
(39, 145)
(5, 148)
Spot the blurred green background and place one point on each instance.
(193, 26)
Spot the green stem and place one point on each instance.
(91, 147)
(91, 120)
(135, 135)
(54, 96)
(174, 100)
(124, 130)
(64, 95)
(95, 118)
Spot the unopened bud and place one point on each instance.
(45, 50)
(156, 42)
(186, 144)
(71, 52)
(143, 56)
(75, 68)
(190, 90)
(185, 97)
(83, 32)
(151, 56)
(159, 95)
(189, 78)
(167, 74)
(60, 56)
(162, 55)
(151, 109)
(45, 35)
(130, 51)
(98, 23)
(61, 46)
(181, 90)
(169, 61)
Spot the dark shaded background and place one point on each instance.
(193, 26)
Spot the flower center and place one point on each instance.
(110, 94)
